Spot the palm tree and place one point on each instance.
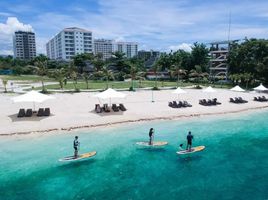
(156, 69)
(73, 74)
(41, 70)
(108, 74)
(60, 76)
(86, 77)
(5, 85)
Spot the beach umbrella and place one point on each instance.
(237, 89)
(209, 90)
(109, 94)
(32, 96)
(261, 88)
(179, 91)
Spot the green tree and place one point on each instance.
(60, 76)
(41, 69)
(199, 56)
(86, 77)
(73, 74)
(5, 85)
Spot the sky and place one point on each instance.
(162, 25)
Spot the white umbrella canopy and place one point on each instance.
(32, 96)
(260, 88)
(110, 93)
(237, 89)
(179, 91)
(209, 90)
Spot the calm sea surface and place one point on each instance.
(234, 164)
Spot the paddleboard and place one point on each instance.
(155, 144)
(193, 150)
(79, 157)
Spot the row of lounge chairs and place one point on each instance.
(106, 108)
(179, 104)
(209, 102)
(260, 99)
(238, 100)
(29, 112)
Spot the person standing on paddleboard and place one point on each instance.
(151, 136)
(76, 146)
(189, 141)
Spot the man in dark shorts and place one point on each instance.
(151, 135)
(76, 146)
(189, 141)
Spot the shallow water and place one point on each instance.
(234, 164)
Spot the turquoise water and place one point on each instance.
(234, 164)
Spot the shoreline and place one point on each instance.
(100, 125)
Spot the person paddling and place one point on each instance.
(76, 145)
(189, 141)
(151, 135)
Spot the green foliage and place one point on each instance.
(249, 58)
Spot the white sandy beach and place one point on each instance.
(73, 111)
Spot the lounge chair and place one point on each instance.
(47, 112)
(264, 98)
(175, 104)
(115, 108)
(209, 102)
(170, 104)
(215, 101)
(98, 109)
(232, 100)
(40, 112)
(29, 113)
(122, 107)
(242, 100)
(256, 99)
(201, 102)
(186, 104)
(21, 113)
(106, 108)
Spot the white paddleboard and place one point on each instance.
(79, 157)
(193, 150)
(154, 144)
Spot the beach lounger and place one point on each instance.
(47, 112)
(264, 98)
(40, 112)
(29, 113)
(175, 104)
(215, 101)
(106, 108)
(98, 108)
(201, 102)
(170, 104)
(242, 100)
(122, 107)
(255, 99)
(186, 104)
(115, 108)
(232, 100)
(21, 113)
(180, 104)
(209, 102)
(237, 100)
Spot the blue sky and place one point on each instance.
(154, 24)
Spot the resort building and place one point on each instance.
(68, 43)
(104, 47)
(130, 49)
(24, 46)
(107, 47)
(218, 65)
(149, 57)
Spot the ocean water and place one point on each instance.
(234, 164)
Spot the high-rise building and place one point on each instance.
(107, 47)
(68, 43)
(130, 49)
(104, 47)
(24, 45)
(149, 57)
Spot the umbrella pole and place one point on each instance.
(34, 106)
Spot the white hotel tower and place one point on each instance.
(69, 42)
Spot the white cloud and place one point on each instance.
(7, 30)
(183, 46)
